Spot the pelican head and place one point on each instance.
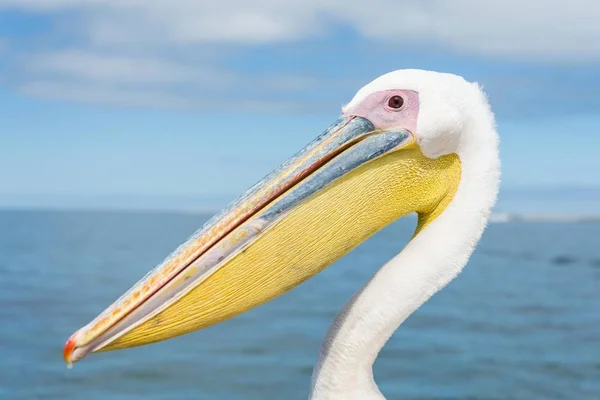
(410, 141)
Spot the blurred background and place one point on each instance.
(123, 126)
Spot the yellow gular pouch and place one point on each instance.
(313, 235)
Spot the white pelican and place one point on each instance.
(409, 141)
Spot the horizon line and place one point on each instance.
(495, 216)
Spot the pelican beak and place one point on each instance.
(347, 184)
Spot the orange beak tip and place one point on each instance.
(68, 351)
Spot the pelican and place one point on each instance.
(410, 141)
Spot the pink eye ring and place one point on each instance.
(396, 102)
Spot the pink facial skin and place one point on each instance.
(375, 108)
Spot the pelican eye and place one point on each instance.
(396, 102)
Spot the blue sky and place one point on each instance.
(137, 98)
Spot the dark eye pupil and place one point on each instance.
(396, 102)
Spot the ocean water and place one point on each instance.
(521, 322)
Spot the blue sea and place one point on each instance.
(521, 322)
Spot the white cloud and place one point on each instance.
(549, 29)
(114, 78)
(120, 69)
(157, 53)
(164, 98)
(112, 96)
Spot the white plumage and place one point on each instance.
(454, 117)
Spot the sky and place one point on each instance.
(144, 101)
